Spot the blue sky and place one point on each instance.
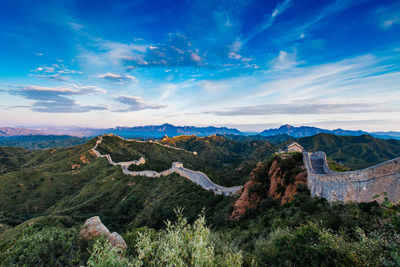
(245, 64)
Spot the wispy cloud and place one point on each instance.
(284, 61)
(52, 77)
(115, 77)
(369, 80)
(347, 77)
(135, 103)
(55, 99)
(176, 51)
(294, 108)
(388, 16)
(269, 19)
(300, 31)
(54, 72)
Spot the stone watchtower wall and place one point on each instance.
(356, 186)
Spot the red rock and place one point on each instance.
(117, 241)
(93, 227)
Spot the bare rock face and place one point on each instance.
(93, 227)
(291, 189)
(117, 241)
(268, 182)
(276, 178)
(247, 198)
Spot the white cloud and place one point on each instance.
(75, 26)
(214, 86)
(367, 80)
(281, 8)
(284, 61)
(388, 16)
(269, 20)
(310, 108)
(236, 46)
(234, 55)
(55, 72)
(72, 89)
(391, 21)
(136, 103)
(195, 57)
(114, 77)
(56, 99)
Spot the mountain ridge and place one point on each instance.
(303, 131)
(166, 129)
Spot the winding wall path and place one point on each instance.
(177, 167)
(353, 186)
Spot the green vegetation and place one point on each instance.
(356, 152)
(273, 139)
(336, 167)
(46, 195)
(226, 162)
(179, 244)
(34, 142)
(73, 182)
(310, 230)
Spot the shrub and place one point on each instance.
(104, 255)
(304, 246)
(50, 246)
(180, 244)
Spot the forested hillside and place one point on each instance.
(46, 195)
(34, 142)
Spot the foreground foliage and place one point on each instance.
(180, 244)
(249, 242)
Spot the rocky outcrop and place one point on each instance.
(117, 241)
(93, 227)
(248, 199)
(281, 189)
(271, 180)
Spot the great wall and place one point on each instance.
(352, 186)
(196, 177)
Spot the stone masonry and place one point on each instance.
(353, 186)
(177, 167)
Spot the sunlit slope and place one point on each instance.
(226, 162)
(73, 182)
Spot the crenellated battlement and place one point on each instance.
(357, 186)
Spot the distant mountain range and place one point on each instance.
(303, 131)
(158, 131)
(9, 131)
